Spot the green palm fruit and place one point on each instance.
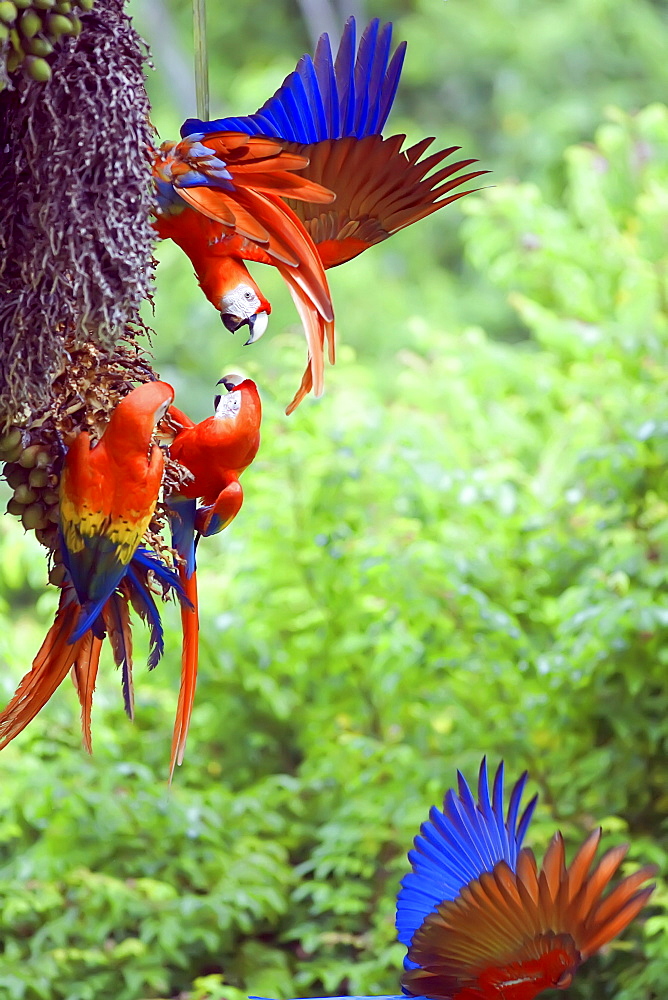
(24, 495)
(8, 12)
(34, 517)
(15, 475)
(14, 507)
(39, 47)
(30, 23)
(38, 478)
(57, 575)
(9, 440)
(34, 456)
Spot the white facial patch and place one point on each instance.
(160, 412)
(228, 406)
(241, 301)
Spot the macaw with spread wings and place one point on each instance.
(483, 921)
(305, 183)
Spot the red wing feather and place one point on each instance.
(378, 189)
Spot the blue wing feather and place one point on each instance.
(327, 97)
(376, 76)
(314, 99)
(323, 63)
(344, 69)
(458, 844)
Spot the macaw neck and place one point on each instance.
(128, 431)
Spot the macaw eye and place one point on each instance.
(248, 296)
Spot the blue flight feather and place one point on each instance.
(376, 77)
(323, 64)
(458, 844)
(327, 97)
(344, 69)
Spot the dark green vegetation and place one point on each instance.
(463, 548)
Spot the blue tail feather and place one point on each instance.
(147, 559)
(122, 652)
(327, 97)
(182, 521)
(144, 604)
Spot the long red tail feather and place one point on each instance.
(189, 658)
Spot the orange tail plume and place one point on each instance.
(84, 675)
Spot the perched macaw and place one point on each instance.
(216, 452)
(328, 114)
(108, 494)
(66, 646)
(481, 920)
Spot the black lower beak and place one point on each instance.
(232, 322)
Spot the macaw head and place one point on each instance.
(230, 404)
(244, 305)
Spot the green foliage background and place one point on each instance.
(461, 549)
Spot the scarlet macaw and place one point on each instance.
(481, 921)
(216, 452)
(108, 494)
(329, 113)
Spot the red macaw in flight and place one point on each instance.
(325, 122)
(216, 451)
(482, 921)
(108, 493)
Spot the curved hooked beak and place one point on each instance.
(257, 324)
(231, 381)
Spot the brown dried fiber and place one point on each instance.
(75, 243)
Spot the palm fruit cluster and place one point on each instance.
(31, 29)
(84, 394)
(76, 247)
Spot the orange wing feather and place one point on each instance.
(531, 927)
(379, 190)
